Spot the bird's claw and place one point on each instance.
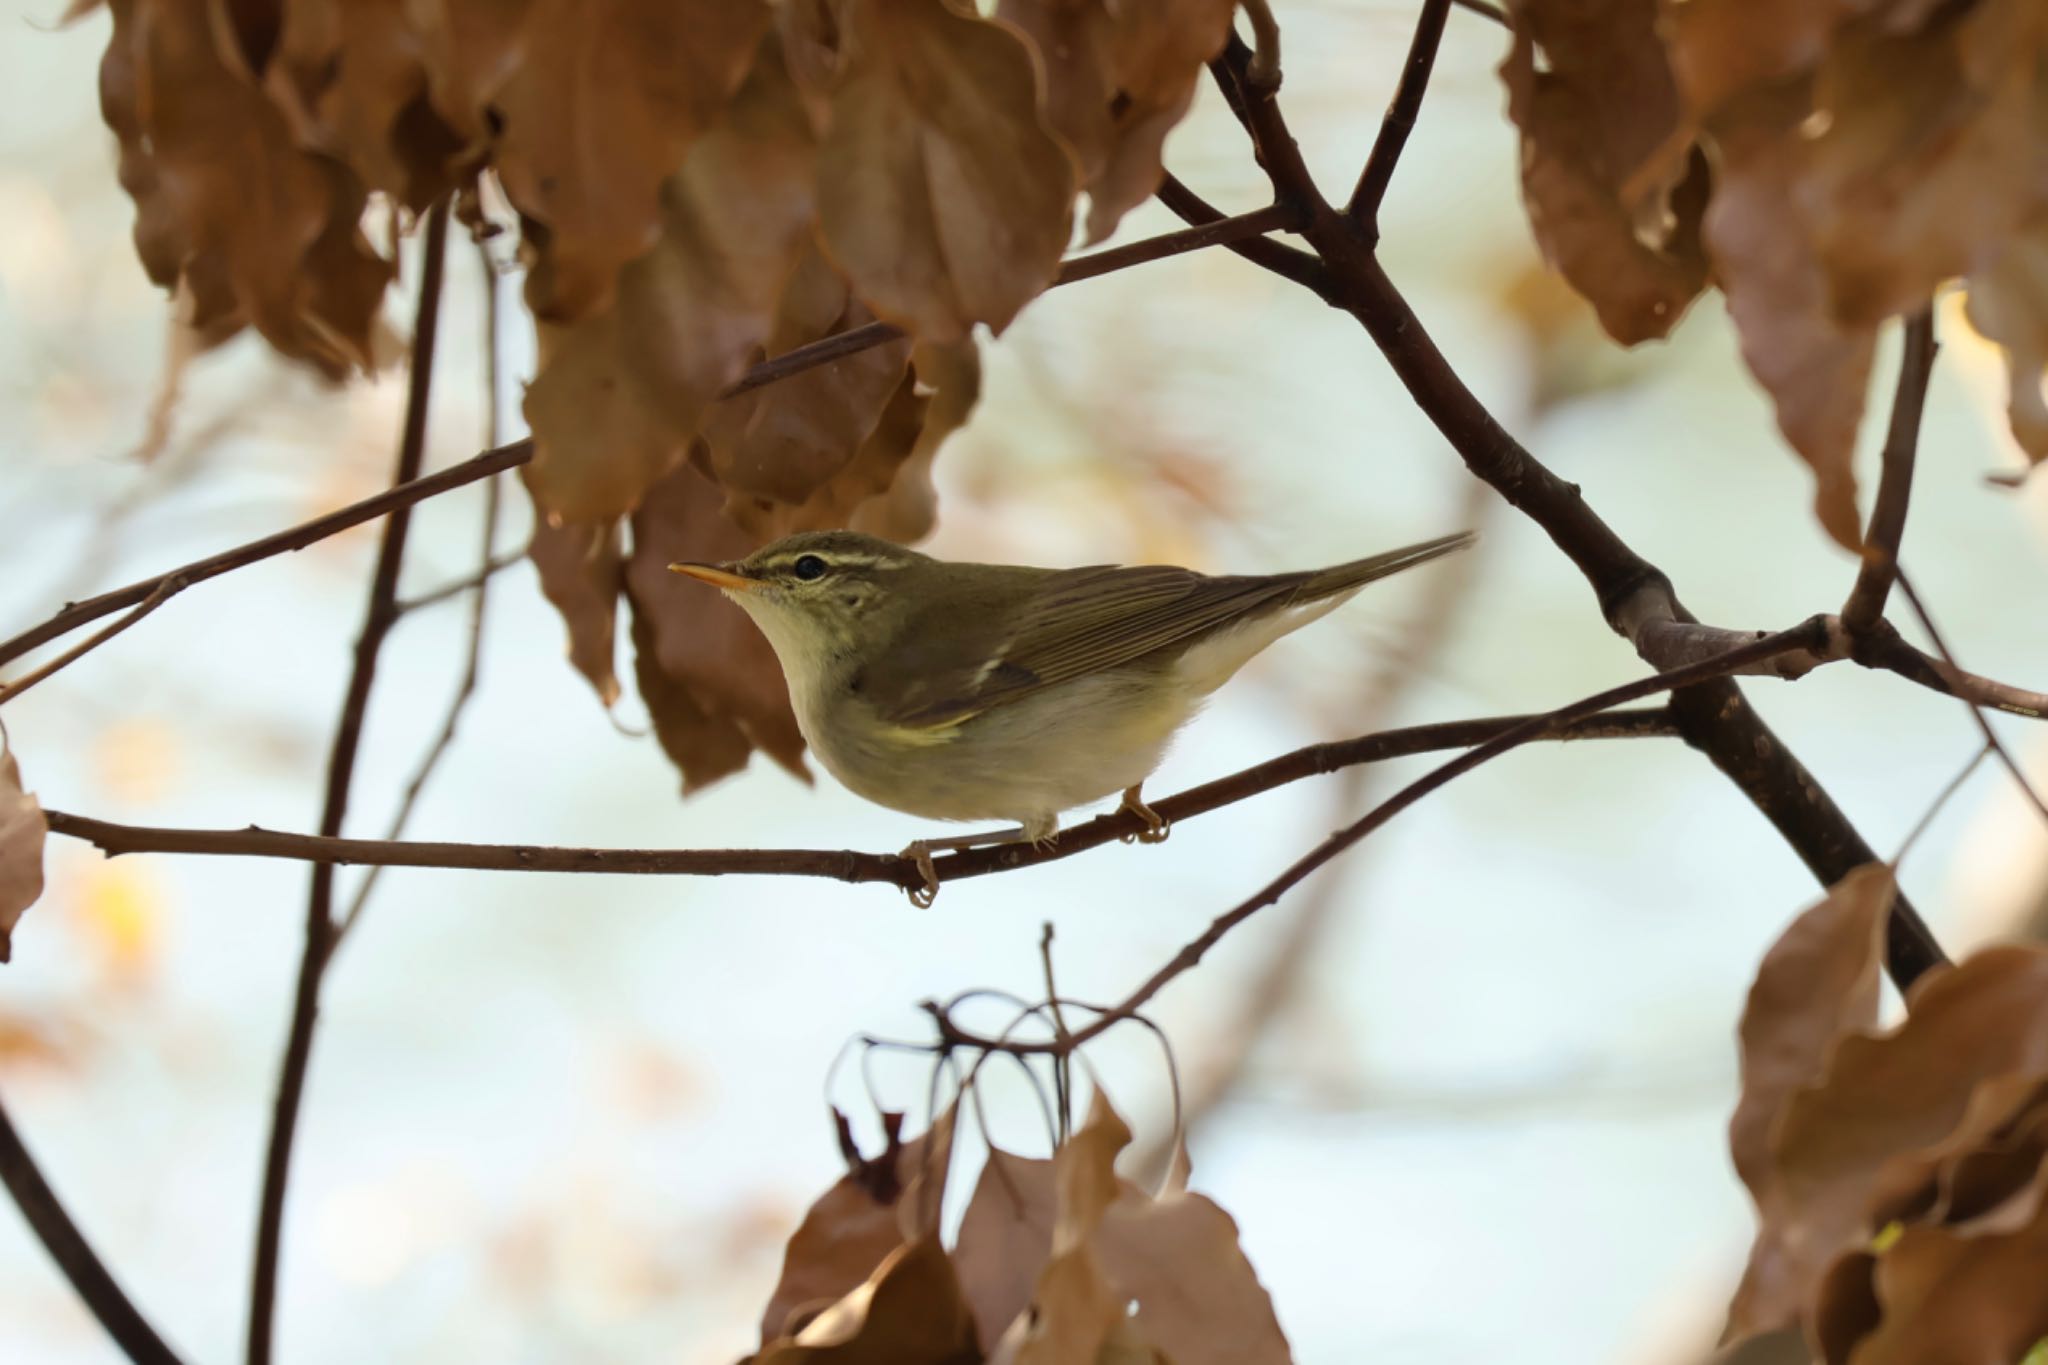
(1156, 825)
(922, 896)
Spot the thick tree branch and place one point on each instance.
(1364, 208)
(378, 617)
(114, 839)
(74, 1256)
(1718, 720)
(1865, 607)
(1801, 636)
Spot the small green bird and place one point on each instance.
(999, 692)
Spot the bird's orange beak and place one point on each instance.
(718, 576)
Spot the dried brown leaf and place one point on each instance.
(1927, 157)
(2008, 304)
(775, 448)
(905, 507)
(1815, 368)
(591, 108)
(22, 831)
(1720, 49)
(1972, 1298)
(710, 681)
(196, 133)
(856, 1223)
(941, 193)
(908, 1312)
(621, 393)
(350, 77)
(582, 570)
(1119, 75)
(1612, 183)
(1074, 1244)
(1880, 1097)
(1817, 984)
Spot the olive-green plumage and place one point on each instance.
(992, 691)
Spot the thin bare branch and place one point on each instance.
(1364, 208)
(1535, 727)
(1865, 606)
(97, 1289)
(472, 663)
(164, 591)
(840, 865)
(1290, 263)
(1948, 662)
(378, 617)
(434, 597)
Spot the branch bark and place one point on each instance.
(1716, 717)
(378, 617)
(1865, 607)
(1364, 208)
(67, 1246)
(840, 865)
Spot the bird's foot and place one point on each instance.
(1156, 826)
(920, 853)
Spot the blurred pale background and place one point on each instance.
(573, 1118)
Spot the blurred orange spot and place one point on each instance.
(119, 914)
(136, 760)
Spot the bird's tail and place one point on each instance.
(1345, 577)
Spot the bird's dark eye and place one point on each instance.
(808, 567)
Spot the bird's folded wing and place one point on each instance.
(1076, 623)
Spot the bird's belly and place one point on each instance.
(1025, 761)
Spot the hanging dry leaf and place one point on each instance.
(1817, 984)
(1613, 185)
(1022, 1243)
(940, 192)
(179, 89)
(591, 109)
(1926, 151)
(1816, 369)
(878, 1205)
(1851, 1148)
(908, 1312)
(709, 679)
(775, 448)
(905, 508)
(1119, 75)
(350, 78)
(22, 831)
(581, 571)
(2008, 303)
(620, 394)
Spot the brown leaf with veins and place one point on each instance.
(351, 80)
(775, 447)
(904, 508)
(620, 394)
(1881, 1097)
(710, 680)
(582, 570)
(1815, 368)
(178, 89)
(878, 1205)
(1119, 75)
(941, 194)
(1613, 186)
(22, 831)
(590, 108)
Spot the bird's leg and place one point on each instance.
(1041, 833)
(1156, 828)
